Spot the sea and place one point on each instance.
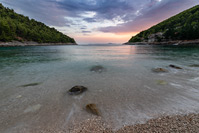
(34, 84)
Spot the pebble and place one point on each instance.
(166, 124)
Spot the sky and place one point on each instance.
(100, 21)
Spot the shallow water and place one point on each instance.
(34, 83)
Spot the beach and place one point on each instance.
(172, 124)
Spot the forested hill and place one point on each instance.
(184, 26)
(17, 27)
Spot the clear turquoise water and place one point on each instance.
(127, 92)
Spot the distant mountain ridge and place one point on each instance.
(16, 27)
(183, 26)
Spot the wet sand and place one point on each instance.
(179, 123)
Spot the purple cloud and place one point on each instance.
(152, 14)
(133, 14)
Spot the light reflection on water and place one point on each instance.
(126, 93)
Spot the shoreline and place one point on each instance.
(170, 123)
(168, 43)
(164, 124)
(30, 43)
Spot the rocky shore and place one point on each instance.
(165, 124)
(178, 42)
(29, 43)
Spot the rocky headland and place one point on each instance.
(31, 43)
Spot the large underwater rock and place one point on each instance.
(76, 90)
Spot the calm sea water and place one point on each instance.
(34, 82)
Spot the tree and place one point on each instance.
(14, 26)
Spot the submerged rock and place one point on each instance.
(76, 90)
(19, 96)
(161, 82)
(92, 108)
(194, 65)
(176, 67)
(159, 70)
(31, 84)
(33, 108)
(97, 69)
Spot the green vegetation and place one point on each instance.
(20, 28)
(184, 26)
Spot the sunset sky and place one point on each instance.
(99, 21)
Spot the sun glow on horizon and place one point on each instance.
(104, 38)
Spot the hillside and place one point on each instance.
(184, 26)
(17, 27)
